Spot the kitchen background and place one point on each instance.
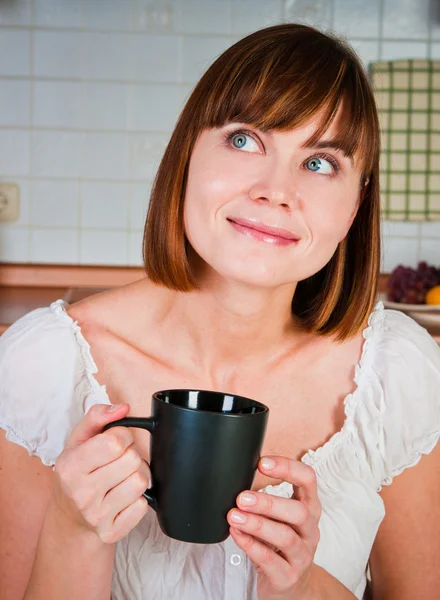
(90, 91)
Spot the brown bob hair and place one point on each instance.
(279, 78)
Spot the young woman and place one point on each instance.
(262, 255)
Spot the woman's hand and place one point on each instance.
(100, 477)
(280, 535)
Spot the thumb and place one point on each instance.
(95, 420)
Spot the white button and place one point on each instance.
(236, 560)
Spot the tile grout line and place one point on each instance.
(380, 29)
(177, 33)
(31, 206)
(80, 178)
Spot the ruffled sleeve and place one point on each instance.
(407, 365)
(46, 381)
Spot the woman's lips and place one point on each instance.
(263, 233)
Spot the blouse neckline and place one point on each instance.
(311, 457)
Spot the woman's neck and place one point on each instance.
(225, 323)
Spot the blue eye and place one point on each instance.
(242, 141)
(239, 140)
(319, 165)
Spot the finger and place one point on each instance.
(284, 510)
(112, 474)
(94, 421)
(100, 450)
(278, 535)
(125, 521)
(281, 575)
(301, 476)
(124, 494)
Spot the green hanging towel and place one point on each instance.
(408, 98)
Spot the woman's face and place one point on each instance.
(263, 209)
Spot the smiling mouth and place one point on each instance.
(263, 233)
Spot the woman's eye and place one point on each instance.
(242, 141)
(320, 165)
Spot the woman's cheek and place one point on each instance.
(326, 202)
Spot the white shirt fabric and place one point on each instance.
(47, 384)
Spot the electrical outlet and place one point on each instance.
(9, 202)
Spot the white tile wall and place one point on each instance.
(14, 243)
(55, 203)
(104, 247)
(145, 101)
(15, 103)
(392, 50)
(106, 55)
(362, 20)
(199, 16)
(155, 58)
(135, 248)
(139, 196)
(198, 52)
(399, 250)
(406, 19)
(57, 54)
(105, 156)
(368, 50)
(155, 16)
(314, 12)
(15, 12)
(117, 14)
(14, 152)
(15, 52)
(146, 152)
(105, 106)
(89, 97)
(104, 205)
(57, 104)
(57, 153)
(430, 250)
(57, 13)
(250, 15)
(54, 246)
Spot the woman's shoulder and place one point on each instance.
(46, 327)
(399, 338)
(46, 380)
(402, 390)
(118, 310)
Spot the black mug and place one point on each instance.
(204, 450)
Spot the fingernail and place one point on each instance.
(247, 499)
(268, 463)
(238, 517)
(113, 407)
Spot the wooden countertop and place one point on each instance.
(16, 301)
(26, 287)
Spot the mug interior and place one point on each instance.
(218, 402)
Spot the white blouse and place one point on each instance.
(47, 384)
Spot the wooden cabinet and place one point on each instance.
(26, 287)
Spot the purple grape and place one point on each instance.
(409, 285)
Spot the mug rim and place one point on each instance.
(265, 409)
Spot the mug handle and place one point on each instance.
(149, 424)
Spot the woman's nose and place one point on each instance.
(274, 185)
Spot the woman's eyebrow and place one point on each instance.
(322, 144)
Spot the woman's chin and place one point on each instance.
(254, 276)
